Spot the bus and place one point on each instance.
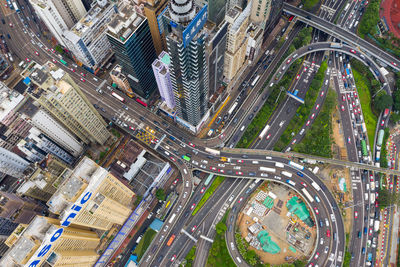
(212, 151)
(347, 7)
(364, 148)
(296, 165)
(264, 131)
(170, 240)
(186, 158)
(118, 97)
(232, 108)
(141, 102)
(316, 186)
(172, 218)
(308, 196)
(279, 165)
(63, 62)
(255, 81)
(265, 169)
(16, 7)
(208, 180)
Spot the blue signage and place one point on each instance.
(195, 26)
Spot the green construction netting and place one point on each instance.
(267, 244)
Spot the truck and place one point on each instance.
(376, 225)
(279, 165)
(386, 113)
(265, 169)
(213, 152)
(288, 174)
(290, 182)
(363, 127)
(379, 141)
(336, 45)
(372, 198)
(378, 156)
(264, 131)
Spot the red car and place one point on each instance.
(343, 98)
(191, 144)
(294, 141)
(316, 210)
(348, 140)
(394, 64)
(11, 25)
(268, 136)
(313, 116)
(355, 94)
(308, 123)
(132, 128)
(192, 207)
(173, 258)
(173, 159)
(303, 184)
(348, 96)
(54, 61)
(176, 181)
(213, 168)
(221, 170)
(52, 50)
(239, 161)
(317, 107)
(194, 228)
(322, 93)
(36, 53)
(202, 190)
(288, 61)
(240, 199)
(27, 60)
(382, 122)
(239, 173)
(328, 233)
(83, 74)
(305, 69)
(73, 70)
(316, 256)
(342, 108)
(355, 215)
(298, 76)
(353, 51)
(83, 80)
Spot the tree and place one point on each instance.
(220, 228)
(160, 194)
(299, 263)
(383, 101)
(396, 99)
(384, 198)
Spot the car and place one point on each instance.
(37, 53)
(54, 61)
(322, 93)
(125, 107)
(316, 256)
(294, 141)
(240, 199)
(52, 50)
(308, 123)
(173, 159)
(239, 173)
(316, 210)
(394, 64)
(348, 140)
(355, 94)
(213, 168)
(313, 64)
(313, 116)
(83, 80)
(298, 76)
(194, 228)
(240, 161)
(6, 5)
(328, 233)
(288, 61)
(348, 96)
(342, 107)
(72, 69)
(353, 51)
(382, 122)
(305, 69)
(11, 25)
(173, 258)
(83, 74)
(193, 205)
(27, 59)
(355, 215)
(221, 170)
(317, 107)
(268, 136)
(191, 144)
(202, 190)
(303, 184)
(370, 231)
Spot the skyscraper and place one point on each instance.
(12, 164)
(265, 13)
(131, 41)
(163, 78)
(59, 15)
(216, 9)
(153, 10)
(61, 97)
(183, 22)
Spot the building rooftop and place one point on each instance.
(92, 17)
(9, 99)
(125, 23)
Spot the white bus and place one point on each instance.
(308, 196)
(279, 165)
(296, 165)
(212, 151)
(316, 186)
(118, 97)
(265, 169)
(264, 131)
(287, 174)
(255, 81)
(232, 108)
(172, 218)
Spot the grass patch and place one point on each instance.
(362, 84)
(144, 243)
(115, 133)
(309, 4)
(303, 111)
(217, 181)
(318, 139)
(219, 254)
(190, 257)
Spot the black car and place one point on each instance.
(141, 118)
(2, 20)
(156, 123)
(251, 116)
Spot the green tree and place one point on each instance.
(299, 263)
(59, 49)
(383, 101)
(220, 228)
(385, 198)
(160, 194)
(396, 99)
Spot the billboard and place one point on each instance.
(195, 26)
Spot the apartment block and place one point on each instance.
(12, 164)
(108, 201)
(161, 72)
(121, 80)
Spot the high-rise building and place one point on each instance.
(121, 80)
(183, 22)
(163, 78)
(108, 201)
(216, 9)
(87, 40)
(44, 181)
(153, 10)
(240, 3)
(18, 209)
(44, 242)
(236, 41)
(12, 164)
(61, 97)
(131, 41)
(265, 13)
(59, 15)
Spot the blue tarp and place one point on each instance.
(27, 80)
